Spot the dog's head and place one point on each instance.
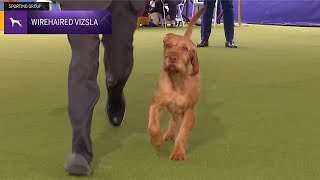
(180, 55)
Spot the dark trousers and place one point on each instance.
(83, 89)
(228, 18)
(172, 5)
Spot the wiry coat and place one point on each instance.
(177, 90)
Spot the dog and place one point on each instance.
(13, 21)
(178, 91)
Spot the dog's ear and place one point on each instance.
(166, 37)
(195, 63)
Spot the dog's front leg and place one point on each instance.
(179, 151)
(154, 126)
(171, 132)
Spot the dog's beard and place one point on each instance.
(171, 68)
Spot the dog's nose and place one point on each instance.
(173, 59)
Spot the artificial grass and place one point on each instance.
(258, 117)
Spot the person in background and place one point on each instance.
(173, 10)
(145, 14)
(228, 18)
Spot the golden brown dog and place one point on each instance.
(178, 91)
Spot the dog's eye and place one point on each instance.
(185, 48)
(168, 45)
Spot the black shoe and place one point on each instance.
(203, 43)
(173, 26)
(77, 165)
(231, 44)
(116, 107)
(152, 10)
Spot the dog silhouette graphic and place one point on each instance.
(14, 21)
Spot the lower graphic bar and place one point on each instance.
(57, 22)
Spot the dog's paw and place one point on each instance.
(157, 141)
(169, 136)
(178, 154)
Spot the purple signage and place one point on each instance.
(57, 22)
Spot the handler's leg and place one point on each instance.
(118, 58)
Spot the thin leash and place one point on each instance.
(165, 19)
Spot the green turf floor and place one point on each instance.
(258, 117)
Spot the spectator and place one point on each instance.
(173, 8)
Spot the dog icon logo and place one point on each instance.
(14, 21)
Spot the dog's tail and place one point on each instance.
(193, 21)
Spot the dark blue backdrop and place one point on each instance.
(282, 12)
(279, 12)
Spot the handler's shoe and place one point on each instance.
(116, 106)
(231, 44)
(173, 26)
(77, 165)
(203, 43)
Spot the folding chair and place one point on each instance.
(179, 17)
(215, 14)
(196, 4)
